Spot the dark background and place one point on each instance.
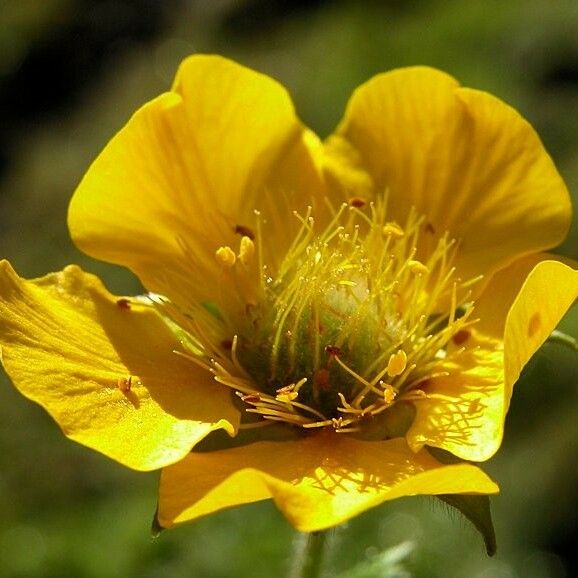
(71, 73)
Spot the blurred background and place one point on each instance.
(71, 73)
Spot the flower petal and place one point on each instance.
(464, 412)
(465, 160)
(317, 481)
(523, 304)
(546, 295)
(499, 294)
(190, 167)
(68, 345)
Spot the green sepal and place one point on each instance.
(476, 509)
(156, 528)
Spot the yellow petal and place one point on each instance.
(546, 295)
(522, 304)
(464, 412)
(317, 481)
(465, 160)
(519, 308)
(499, 294)
(190, 167)
(105, 369)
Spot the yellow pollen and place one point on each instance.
(226, 256)
(392, 229)
(417, 267)
(286, 396)
(389, 393)
(397, 363)
(290, 392)
(246, 250)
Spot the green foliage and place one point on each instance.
(387, 564)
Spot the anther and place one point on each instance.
(389, 394)
(393, 230)
(397, 363)
(357, 202)
(461, 337)
(226, 256)
(287, 393)
(333, 350)
(417, 267)
(249, 398)
(246, 250)
(245, 231)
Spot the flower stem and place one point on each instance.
(563, 339)
(309, 554)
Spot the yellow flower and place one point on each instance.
(338, 308)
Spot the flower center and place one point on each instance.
(349, 323)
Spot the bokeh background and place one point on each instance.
(71, 73)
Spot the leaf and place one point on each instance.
(477, 510)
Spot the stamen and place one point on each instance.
(249, 397)
(245, 231)
(226, 256)
(333, 350)
(246, 250)
(348, 323)
(397, 363)
(290, 392)
(417, 267)
(357, 202)
(389, 394)
(461, 336)
(392, 229)
(286, 396)
(254, 425)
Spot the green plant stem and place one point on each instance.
(309, 554)
(563, 339)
